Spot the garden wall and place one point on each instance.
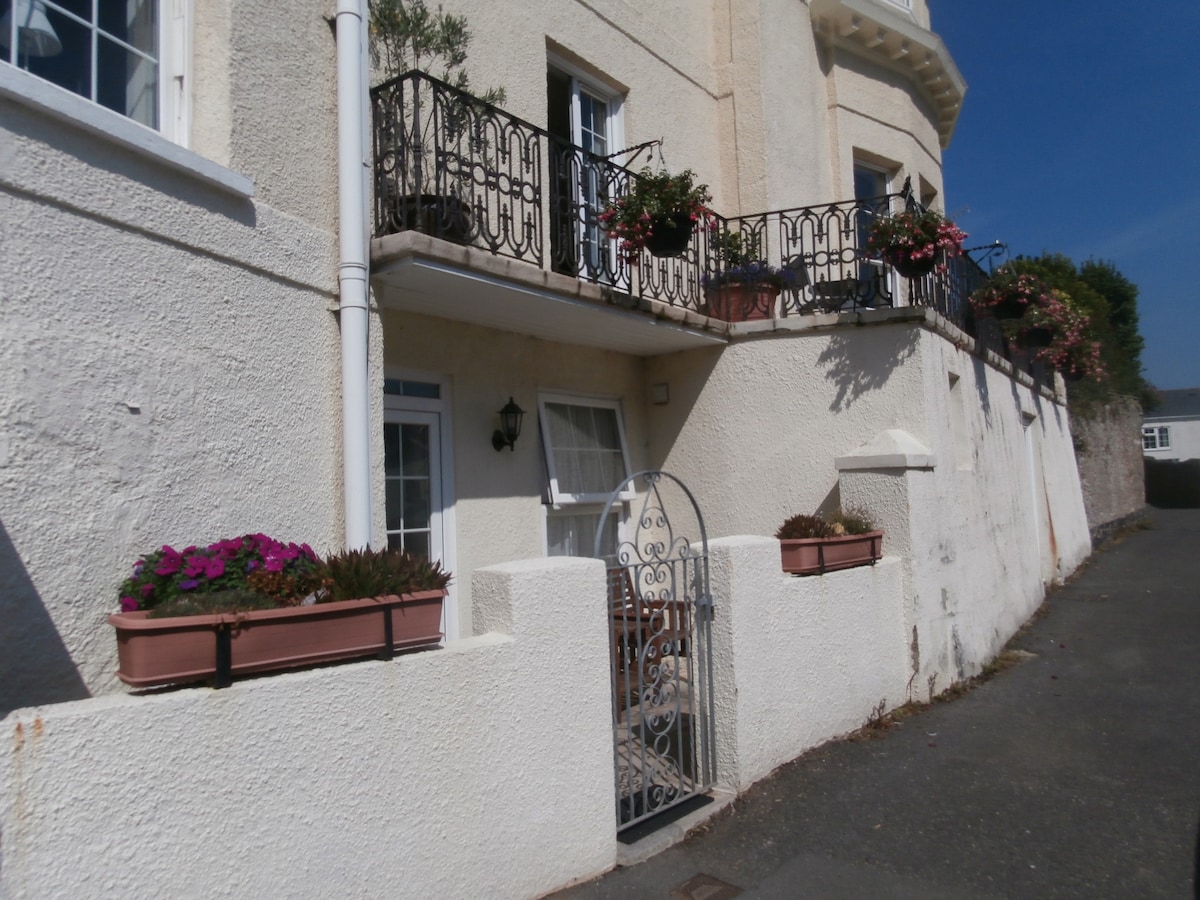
(1108, 446)
(483, 769)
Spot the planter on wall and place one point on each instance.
(741, 302)
(444, 217)
(180, 649)
(816, 556)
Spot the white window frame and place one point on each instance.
(1156, 437)
(173, 61)
(558, 497)
(560, 503)
(580, 81)
(396, 404)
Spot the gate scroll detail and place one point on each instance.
(660, 613)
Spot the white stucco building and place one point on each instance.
(1172, 429)
(181, 363)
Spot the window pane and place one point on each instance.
(585, 446)
(128, 83)
(391, 449)
(133, 21)
(394, 503)
(415, 444)
(71, 68)
(416, 503)
(417, 543)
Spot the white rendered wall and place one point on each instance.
(798, 660)
(499, 495)
(484, 769)
(166, 377)
(755, 430)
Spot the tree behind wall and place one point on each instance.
(1110, 301)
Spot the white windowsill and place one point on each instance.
(61, 104)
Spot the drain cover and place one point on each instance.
(705, 887)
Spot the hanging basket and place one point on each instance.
(1037, 337)
(670, 235)
(909, 267)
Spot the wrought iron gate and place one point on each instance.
(660, 613)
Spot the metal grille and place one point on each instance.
(660, 613)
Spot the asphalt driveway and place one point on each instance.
(1073, 773)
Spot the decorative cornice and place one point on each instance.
(888, 35)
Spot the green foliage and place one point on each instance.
(230, 601)
(852, 520)
(407, 34)
(1109, 299)
(355, 574)
(805, 526)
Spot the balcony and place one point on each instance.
(464, 190)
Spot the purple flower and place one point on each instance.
(214, 568)
(189, 584)
(137, 568)
(128, 604)
(147, 590)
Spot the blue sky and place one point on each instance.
(1080, 134)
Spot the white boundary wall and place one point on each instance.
(484, 769)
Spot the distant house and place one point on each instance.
(1173, 430)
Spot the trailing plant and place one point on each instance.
(651, 203)
(1008, 293)
(914, 234)
(286, 573)
(1042, 320)
(739, 261)
(354, 574)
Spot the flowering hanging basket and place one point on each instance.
(670, 235)
(914, 240)
(909, 266)
(658, 214)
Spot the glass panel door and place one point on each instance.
(413, 484)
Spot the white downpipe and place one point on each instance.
(352, 271)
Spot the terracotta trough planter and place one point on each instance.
(816, 556)
(741, 302)
(196, 648)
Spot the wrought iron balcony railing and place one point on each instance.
(456, 168)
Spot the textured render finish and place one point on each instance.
(282, 93)
(1109, 453)
(498, 507)
(167, 376)
(983, 532)
(484, 769)
(798, 660)
(756, 431)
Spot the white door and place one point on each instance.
(415, 497)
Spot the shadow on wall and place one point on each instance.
(35, 667)
(858, 366)
(1173, 483)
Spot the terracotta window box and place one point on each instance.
(816, 556)
(182, 649)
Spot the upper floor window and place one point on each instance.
(1156, 437)
(111, 52)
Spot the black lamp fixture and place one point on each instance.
(510, 426)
